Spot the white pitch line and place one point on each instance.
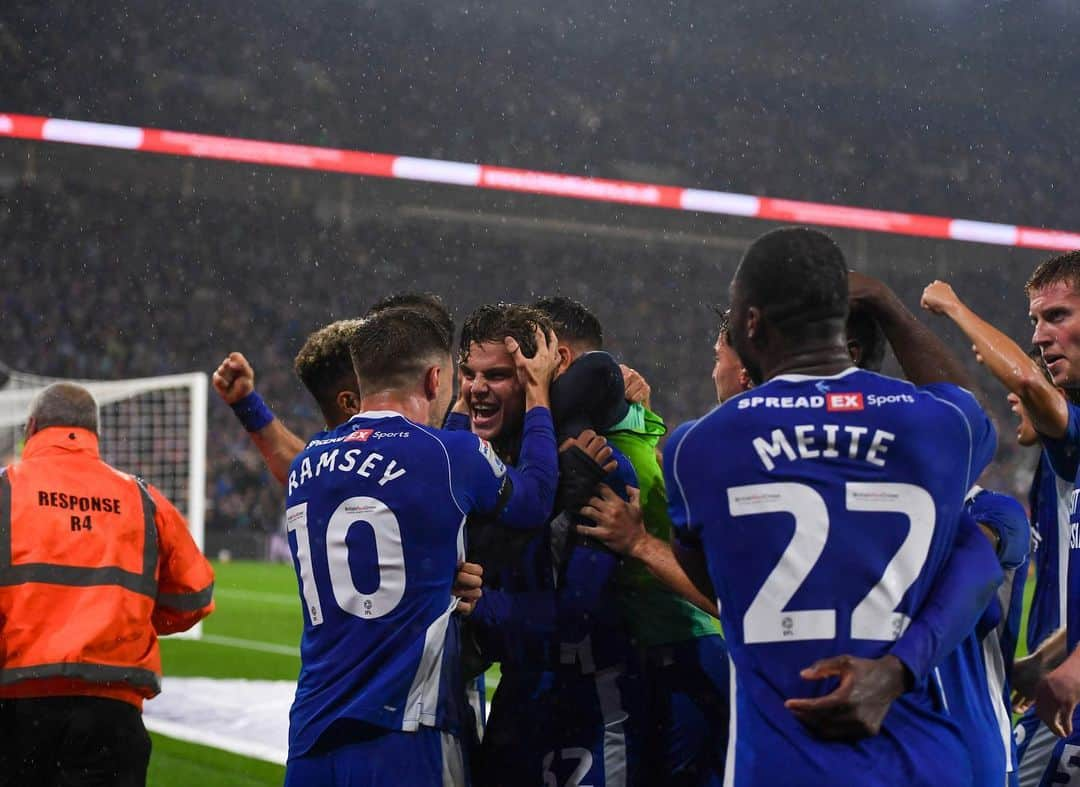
(251, 644)
(258, 595)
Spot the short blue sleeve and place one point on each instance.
(477, 474)
(1064, 451)
(1006, 517)
(520, 497)
(686, 531)
(983, 434)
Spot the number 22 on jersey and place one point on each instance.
(875, 617)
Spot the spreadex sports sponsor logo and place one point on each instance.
(832, 402)
(841, 402)
(359, 435)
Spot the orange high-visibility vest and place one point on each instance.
(94, 564)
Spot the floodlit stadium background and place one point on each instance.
(116, 263)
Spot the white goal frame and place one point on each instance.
(17, 391)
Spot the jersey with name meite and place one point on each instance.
(375, 513)
(826, 508)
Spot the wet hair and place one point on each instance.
(65, 404)
(495, 321)
(427, 302)
(572, 320)
(797, 277)
(864, 330)
(392, 349)
(324, 365)
(1064, 268)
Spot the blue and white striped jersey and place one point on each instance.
(375, 515)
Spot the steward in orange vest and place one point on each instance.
(94, 565)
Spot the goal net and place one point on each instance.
(153, 427)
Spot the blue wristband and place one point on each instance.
(253, 412)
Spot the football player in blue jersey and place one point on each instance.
(567, 705)
(974, 677)
(825, 506)
(684, 653)
(1054, 306)
(376, 513)
(1049, 502)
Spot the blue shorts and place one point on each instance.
(564, 728)
(361, 755)
(688, 711)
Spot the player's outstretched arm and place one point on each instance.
(234, 380)
(621, 526)
(923, 356)
(1045, 404)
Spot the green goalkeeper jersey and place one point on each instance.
(655, 614)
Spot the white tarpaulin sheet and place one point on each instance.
(248, 717)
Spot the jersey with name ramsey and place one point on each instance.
(826, 508)
(375, 515)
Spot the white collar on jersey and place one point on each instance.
(378, 414)
(801, 378)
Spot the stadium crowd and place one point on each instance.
(223, 266)
(650, 92)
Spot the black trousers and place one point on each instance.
(72, 742)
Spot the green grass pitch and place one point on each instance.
(254, 633)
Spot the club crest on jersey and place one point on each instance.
(360, 434)
(843, 402)
(488, 453)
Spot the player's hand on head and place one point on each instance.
(863, 289)
(593, 446)
(468, 583)
(938, 297)
(637, 388)
(234, 378)
(618, 523)
(856, 708)
(538, 370)
(1056, 697)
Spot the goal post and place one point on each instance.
(152, 427)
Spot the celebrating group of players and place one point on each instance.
(826, 515)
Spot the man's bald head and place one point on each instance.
(63, 404)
